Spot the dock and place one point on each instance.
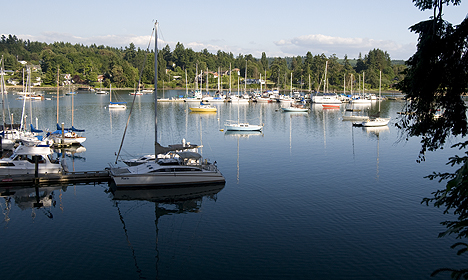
(81, 177)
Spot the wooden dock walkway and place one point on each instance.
(50, 179)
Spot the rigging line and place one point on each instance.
(134, 96)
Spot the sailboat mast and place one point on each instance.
(380, 86)
(245, 80)
(325, 78)
(155, 87)
(363, 75)
(58, 92)
(344, 84)
(3, 94)
(73, 109)
(290, 92)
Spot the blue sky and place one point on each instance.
(278, 28)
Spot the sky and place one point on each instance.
(241, 27)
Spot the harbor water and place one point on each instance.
(311, 197)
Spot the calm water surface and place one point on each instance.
(309, 198)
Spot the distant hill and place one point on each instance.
(340, 60)
(354, 61)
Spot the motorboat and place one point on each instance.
(23, 161)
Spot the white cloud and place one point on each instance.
(318, 44)
(106, 40)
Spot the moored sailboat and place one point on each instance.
(115, 105)
(169, 168)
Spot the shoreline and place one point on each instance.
(374, 91)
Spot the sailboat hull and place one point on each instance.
(160, 179)
(243, 127)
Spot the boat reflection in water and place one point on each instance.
(166, 194)
(167, 201)
(29, 198)
(239, 135)
(242, 134)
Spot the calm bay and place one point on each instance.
(312, 197)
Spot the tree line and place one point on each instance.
(122, 66)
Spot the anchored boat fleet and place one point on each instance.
(174, 165)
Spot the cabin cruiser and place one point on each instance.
(23, 161)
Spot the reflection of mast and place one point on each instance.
(128, 241)
(167, 201)
(290, 135)
(238, 165)
(377, 163)
(324, 130)
(238, 135)
(6, 210)
(376, 132)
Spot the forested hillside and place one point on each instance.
(121, 66)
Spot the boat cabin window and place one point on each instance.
(52, 160)
(31, 159)
(168, 162)
(176, 169)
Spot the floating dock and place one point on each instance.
(51, 179)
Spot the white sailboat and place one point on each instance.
(65, 136)
(296, 107)
(170, 168)
(115, 105)
(230, 125)
(379, 121)
(7, 144)
(101, 91)
(326, 98)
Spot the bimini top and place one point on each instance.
(189, 155)
(33, 150)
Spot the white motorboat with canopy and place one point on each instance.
(172, 168)
(23, 161)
